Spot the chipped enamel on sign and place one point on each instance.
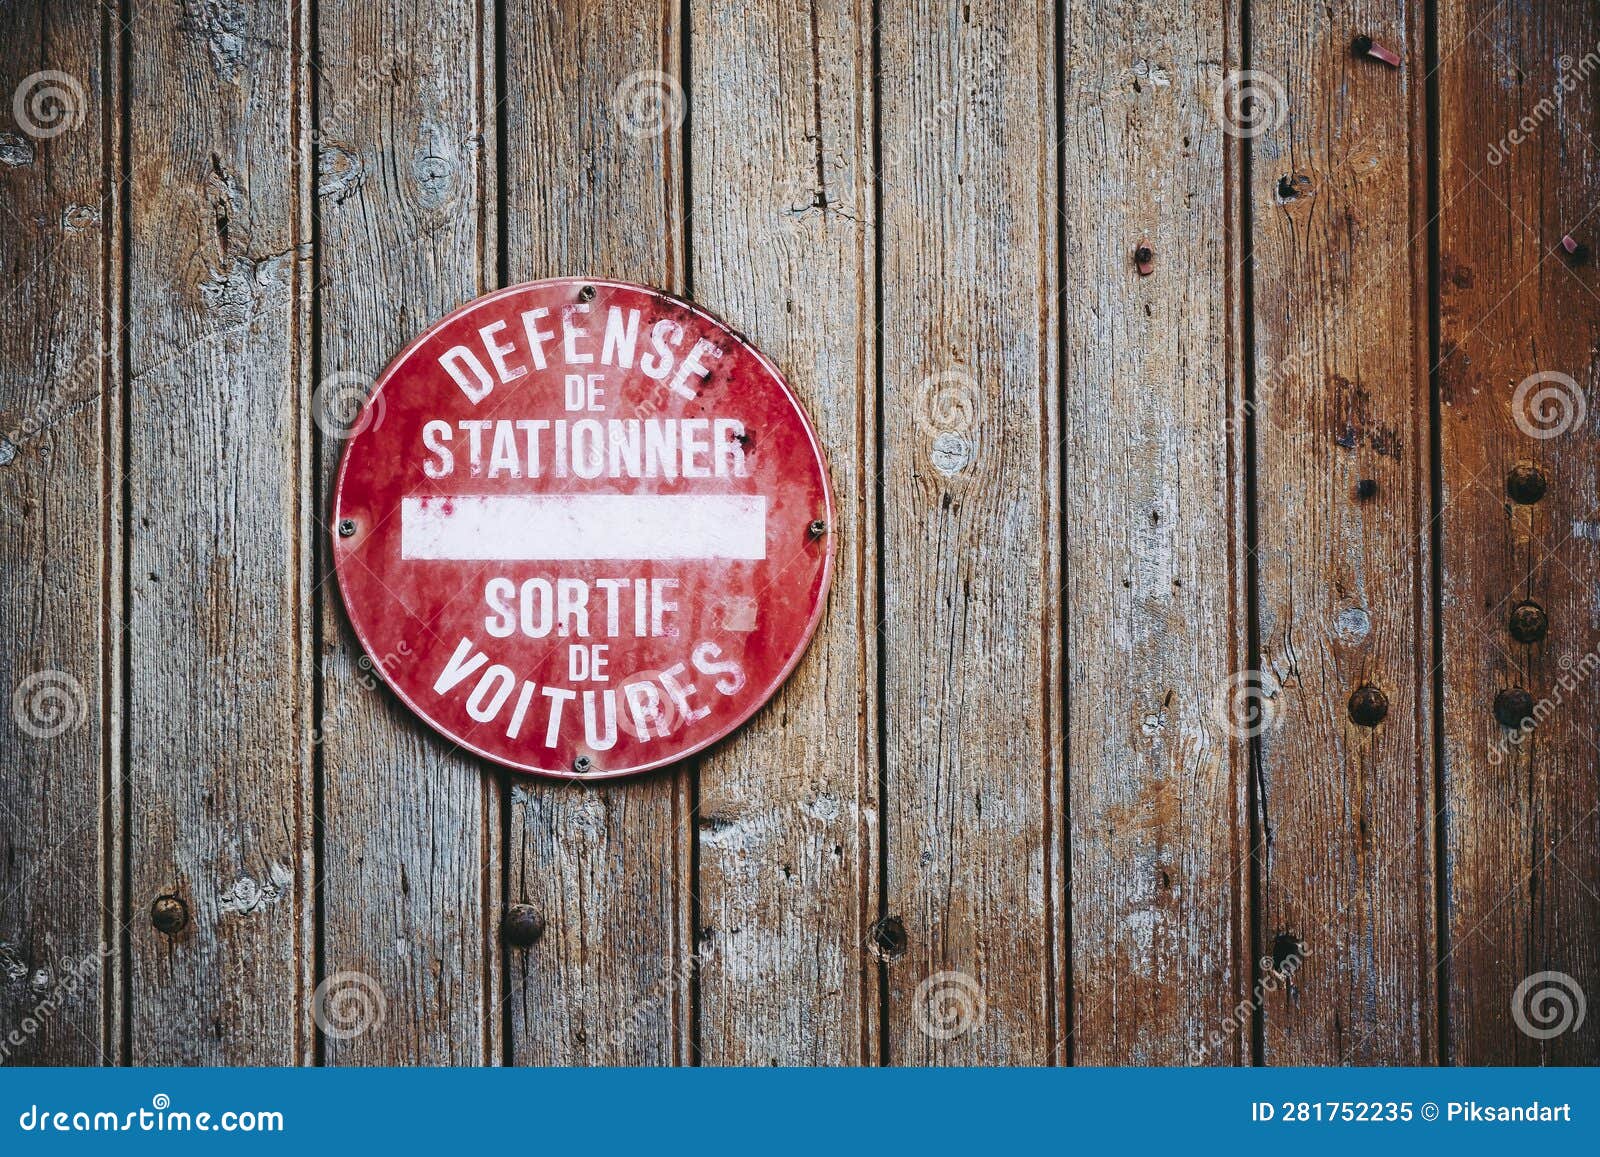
(582, 528)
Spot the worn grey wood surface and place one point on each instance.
(996, 816)
(218, 536)
(409, 861)
(968, 502)
(787, 816)
(1155, 563)
(592, 113)
(60, 542)
(1344, 601)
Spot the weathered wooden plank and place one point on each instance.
(1154, 533)
(971, 713)
(60, 512)
(1338, 200)
(783, 248)
(218, 535)
(591, 119)
(1519, 169)
(410, 859)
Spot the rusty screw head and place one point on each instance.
(818, 527)
(347, 527)
(1526, 483)
(169, 914)
(522, 926)
(1528, 622)
(582, 764)
(1513, 707)
(1368, 706)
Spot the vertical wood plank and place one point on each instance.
(60, 561)
(970, 566)
(1343, 486)
(592, 117)
(410, 859)
(1519, 169)
(783, 249)
(1154, 533)
(218, 551)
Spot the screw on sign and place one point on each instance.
(590, 535)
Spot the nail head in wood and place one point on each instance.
(169, 914)
(522, 926)
(1513, 707)
(1526, 483)
(889, 938)
(1366, 46)
(1368, 706)
(1528, 622)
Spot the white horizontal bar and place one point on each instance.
(525, 527)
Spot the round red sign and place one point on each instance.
(582, 528)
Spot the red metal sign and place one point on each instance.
(582, 528)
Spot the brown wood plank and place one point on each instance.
(1343, 468)
(591, 188)
(410, 862)
(60, 569)
(219, 519)
(1522, 853)
(1154, 537)
(783, 249)
(970, 574)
